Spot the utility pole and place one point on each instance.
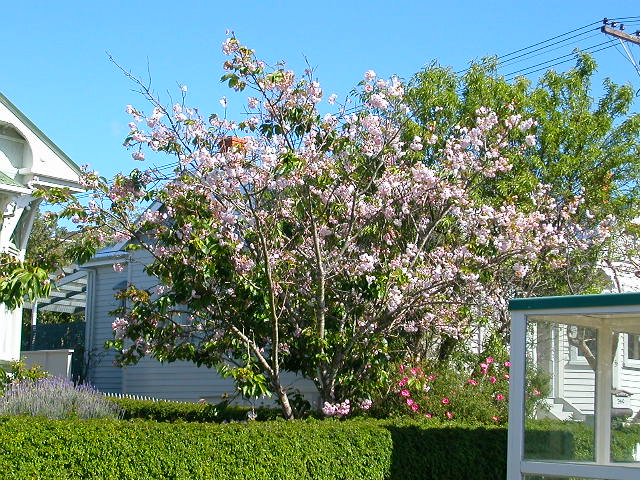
(609, 28)
(620, 34)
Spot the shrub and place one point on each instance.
(167, 411)
(302, 449)
(56, 398)
(480, 394)
(18, 371)
(306, 449)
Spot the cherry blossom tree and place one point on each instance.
(308, 241)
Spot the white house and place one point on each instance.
(567, 353)
(28, 158)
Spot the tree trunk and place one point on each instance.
(287, 411)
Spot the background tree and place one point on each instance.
(580, 147)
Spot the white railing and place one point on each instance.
(132, 396)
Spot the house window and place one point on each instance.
(633, 347)
(583, 342)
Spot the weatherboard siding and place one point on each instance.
(102, 373)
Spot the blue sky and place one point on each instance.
(56, 70)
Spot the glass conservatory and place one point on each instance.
(574, 410)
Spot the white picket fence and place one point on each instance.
(133, 396)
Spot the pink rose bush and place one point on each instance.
(448, 394)
(298, 240)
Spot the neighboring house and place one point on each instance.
(177, 380)
(28, 159)
(564, 352)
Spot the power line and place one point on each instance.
(587, 49)
(513, 60)
(528, 49)
(550, 39)
(610, 43)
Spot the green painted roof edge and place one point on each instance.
(7, 180)
(574, 301)
(39, 133)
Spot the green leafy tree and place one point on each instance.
(580, 147)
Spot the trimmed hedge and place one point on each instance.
(38, 448)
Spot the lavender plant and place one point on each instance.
(56, 398)
(17, 371)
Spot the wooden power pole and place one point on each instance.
(609, 28)
(634, 38)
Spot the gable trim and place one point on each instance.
(39, 133)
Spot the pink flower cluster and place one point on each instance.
(336, 409)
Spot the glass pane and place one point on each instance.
(625, 400)
(560, 397)
(633, 346)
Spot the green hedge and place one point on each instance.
(555, 440)
(38, 448)
(167, 411)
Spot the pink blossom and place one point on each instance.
(369, 75)
(507, 364)
(138, 155)
(427, 415)
(252, 102)
(472, 382)
(449, 415)
(410, 401)
(445, 401)
(499, 396)
(405, 393)
(493, 379)
(489, 359)
(415, 407)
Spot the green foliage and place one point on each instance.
(38, 448)
(584, 146)
(20, 280)
(569, 440)
(18, 371)
(249, 383)
(166, 411)
(308, 449)
(478, 393)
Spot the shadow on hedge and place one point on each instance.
(448, 453)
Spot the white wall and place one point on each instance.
(54, 362)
